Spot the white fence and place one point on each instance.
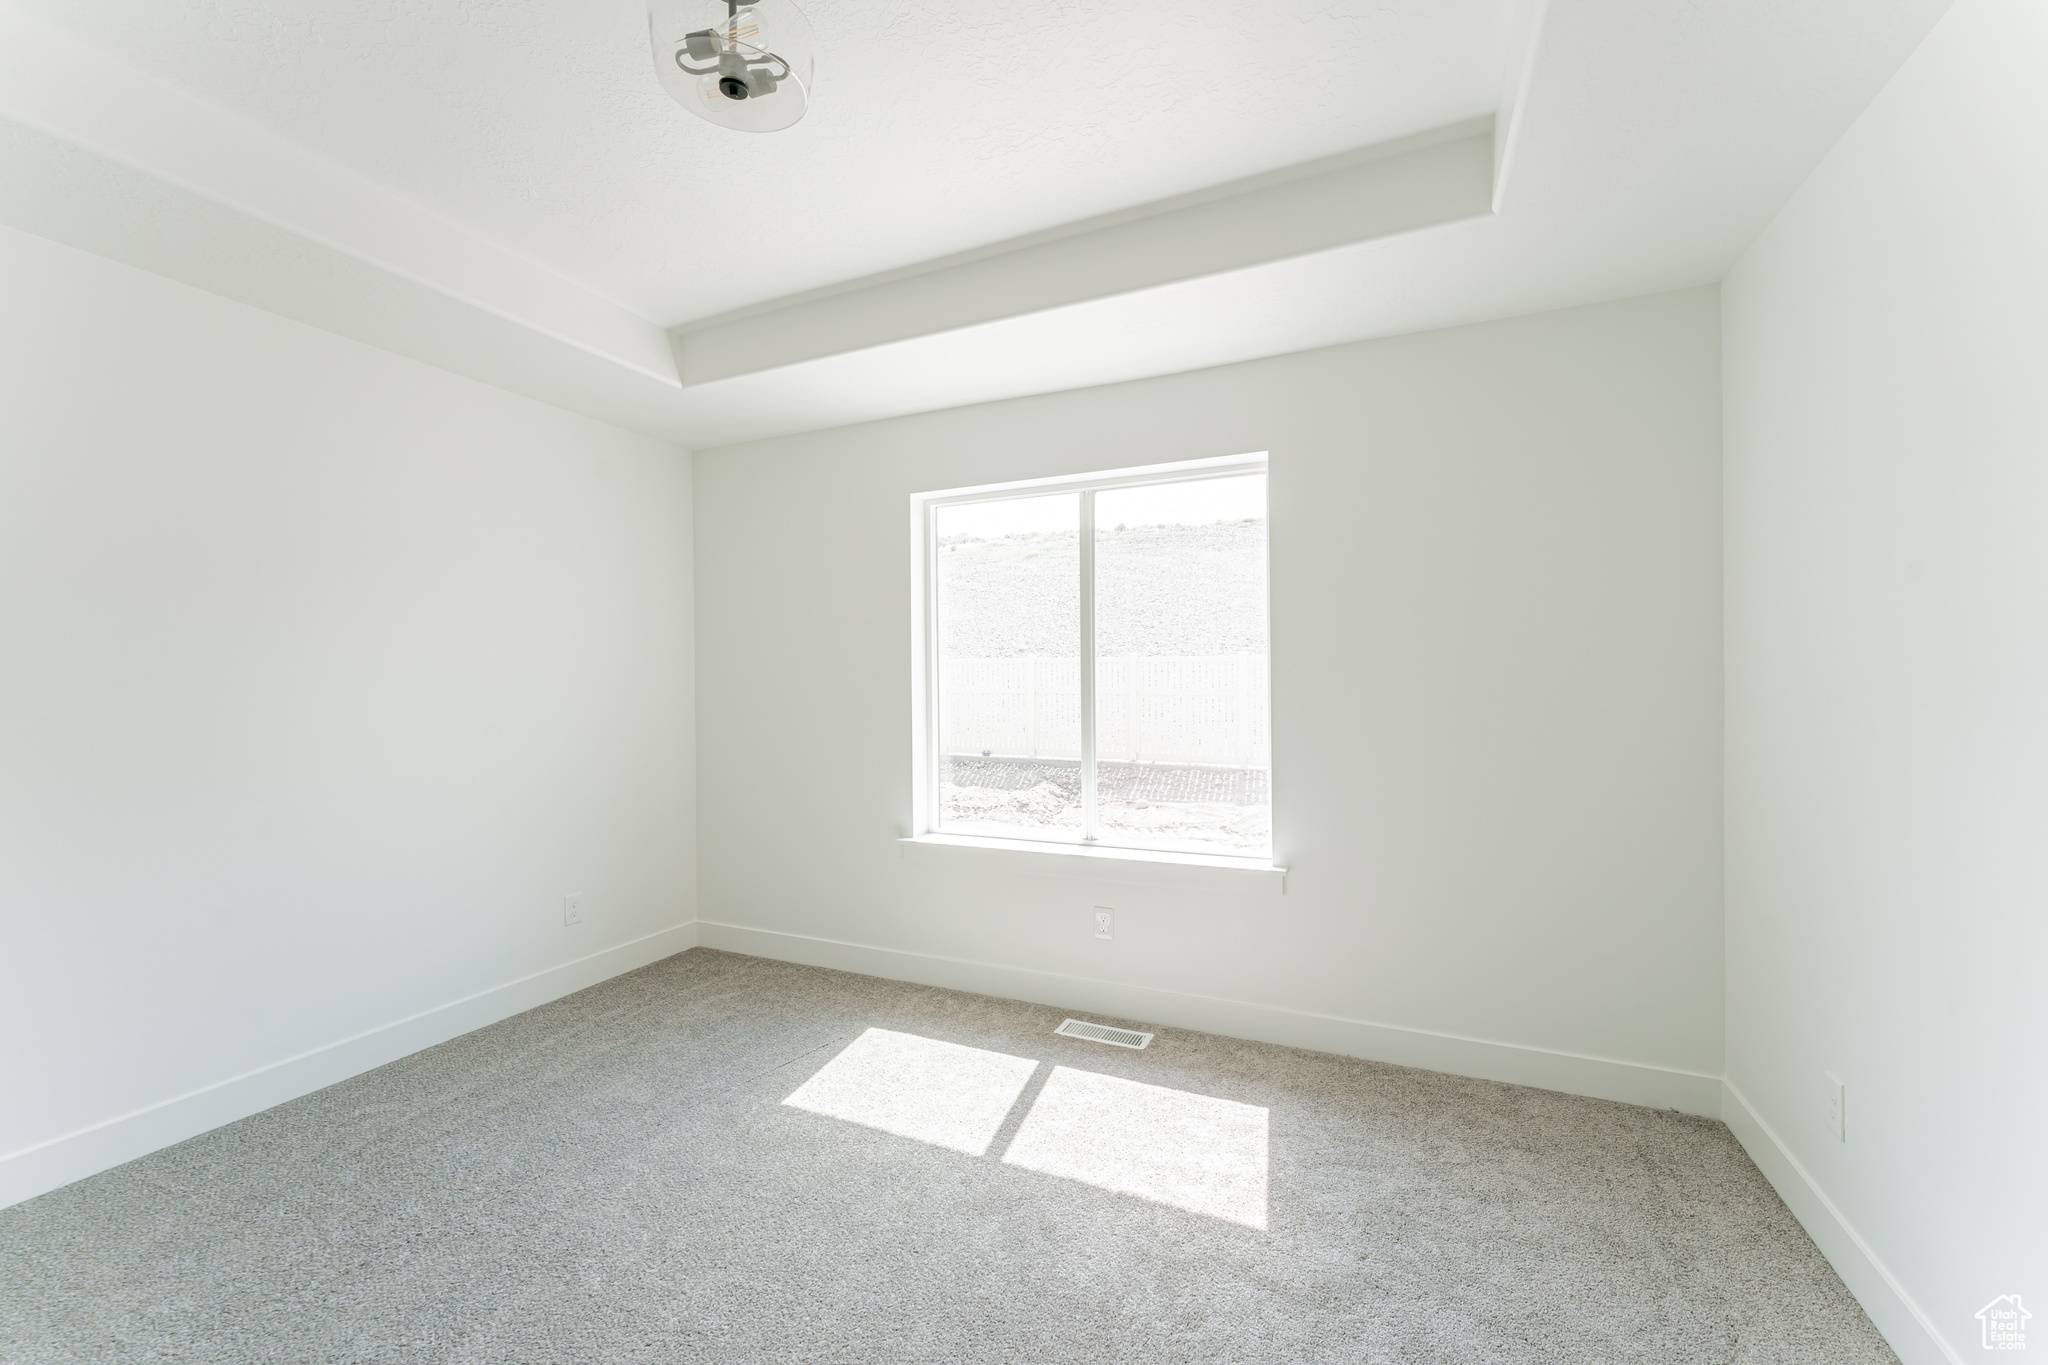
(1210, 710)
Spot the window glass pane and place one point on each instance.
(1008, 581)
(1183, 753)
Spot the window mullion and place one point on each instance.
(932, 769)
(1087, 661)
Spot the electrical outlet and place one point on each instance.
(572, 909)
(1105, 922)
(1838, 1106)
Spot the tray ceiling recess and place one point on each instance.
(978, 202)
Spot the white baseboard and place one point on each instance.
(48, 1165)
(1910, 1332)
(1600, 1077)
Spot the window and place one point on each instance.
(1092, 660)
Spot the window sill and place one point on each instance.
(1190, 871)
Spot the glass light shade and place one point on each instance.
(747, 68)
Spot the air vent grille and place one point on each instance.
(1103, 1033)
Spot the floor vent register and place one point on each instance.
(1103, 1033)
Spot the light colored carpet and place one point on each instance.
(617, 1177)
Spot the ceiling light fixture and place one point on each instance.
(749, 70)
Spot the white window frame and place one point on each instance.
(925, 830)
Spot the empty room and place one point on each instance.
(866, 681)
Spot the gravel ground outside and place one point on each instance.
(1116, 781)
(1201, 810)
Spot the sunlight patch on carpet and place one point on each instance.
(942, 1093)
(1194, 1152)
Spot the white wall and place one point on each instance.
(323, 676)
(1496, 652)
(1887, 496)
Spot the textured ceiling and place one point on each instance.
(935, 128)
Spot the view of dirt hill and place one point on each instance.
(1160, 591)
